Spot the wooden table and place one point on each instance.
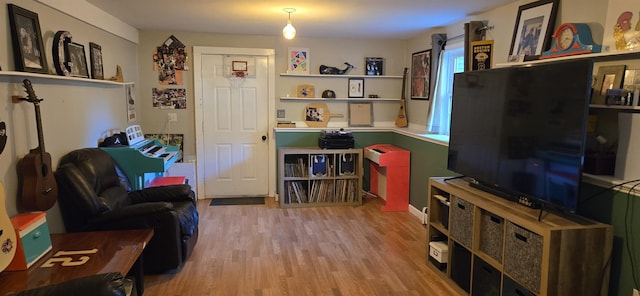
(81, 254)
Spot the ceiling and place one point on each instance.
(397, 19)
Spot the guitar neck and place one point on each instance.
(39, 126)
(404, 81)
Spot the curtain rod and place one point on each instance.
(455, 37)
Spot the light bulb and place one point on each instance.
(289, 32)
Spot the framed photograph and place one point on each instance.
(360, 114)
(533, 28)
(95, 54)
(608, 77)
(28, 47)
(421, 75)
(356, 87)
(77, 60)
(298, 60)
(374, 66)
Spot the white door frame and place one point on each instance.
(198, 51)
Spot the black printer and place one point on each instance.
(336, 139)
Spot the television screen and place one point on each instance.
(520, 131)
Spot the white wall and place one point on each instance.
(331, 52)
(74, 114)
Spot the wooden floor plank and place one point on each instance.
(265, 250)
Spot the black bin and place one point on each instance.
(461, 266)
(486, 279)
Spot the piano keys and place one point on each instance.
(143, 159)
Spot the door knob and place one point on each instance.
(264, 138)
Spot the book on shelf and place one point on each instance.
(296, 193)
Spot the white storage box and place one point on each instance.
(439, 251)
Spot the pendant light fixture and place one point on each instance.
(289, 32)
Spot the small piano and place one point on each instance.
(143, 159)
(389, 168)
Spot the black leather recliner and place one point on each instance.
(95, 195)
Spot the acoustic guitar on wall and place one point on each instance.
(8, 243)
(38, 190)
(401, 120)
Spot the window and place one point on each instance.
(451, 61)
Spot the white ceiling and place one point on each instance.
(398, 19)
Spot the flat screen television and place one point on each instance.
(519, 132)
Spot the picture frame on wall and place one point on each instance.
(77, 60)
(26, 37)
(356, 87)
(533, 29)
(374, 66)
(421, 75)
(360, 114)
(298, 60)
(619, 34)
(95, 54)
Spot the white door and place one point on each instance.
(234, 160)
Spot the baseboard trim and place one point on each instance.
(417, 213)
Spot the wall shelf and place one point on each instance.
(341, 76)
(17, 77)
(600, 56)
(339, 99)
(615, 107)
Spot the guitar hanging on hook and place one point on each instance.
(401, 120)
(38, 190)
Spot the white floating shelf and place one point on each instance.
(339, 99)
(16, 76)
(341, 76)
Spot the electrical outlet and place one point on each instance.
(636, 292)
(280, 113)
(172, 116)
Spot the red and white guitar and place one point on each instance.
(8, 241)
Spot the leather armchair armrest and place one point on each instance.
(170, 193)
(133, 216)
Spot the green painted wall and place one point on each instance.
(428, 159)
(617, 208)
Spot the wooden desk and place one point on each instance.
(81, 254)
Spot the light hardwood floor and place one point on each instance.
(266, 250)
